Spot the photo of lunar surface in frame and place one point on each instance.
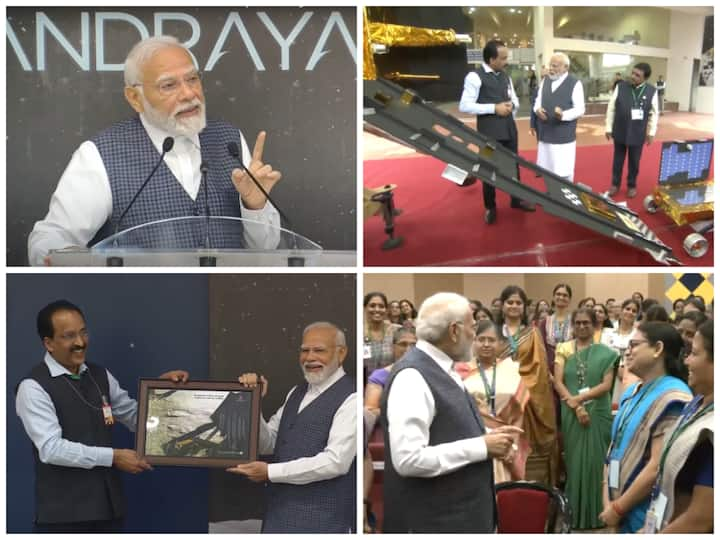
(197, 423)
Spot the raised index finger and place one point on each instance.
(259, 146)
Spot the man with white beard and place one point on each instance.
(311, 481)
(438, 475)
(164, 88)
(560, 102)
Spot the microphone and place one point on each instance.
(206, 260)
(234, 151)
(167, 145)
(204, 171)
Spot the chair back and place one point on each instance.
(531, 507)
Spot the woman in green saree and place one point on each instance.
(584, 375)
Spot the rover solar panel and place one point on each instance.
(685, 162)
(694, 195)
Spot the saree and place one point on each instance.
(694, 427)
(511, 398)
(527, 349)
(586, 446)
(643, 408)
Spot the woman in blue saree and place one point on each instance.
(647, 410)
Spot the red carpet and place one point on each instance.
(442, 224)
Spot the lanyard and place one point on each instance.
(625, 419)
(687, 419)
(636, 93)
(511, 339)
(489, 390)
(102, 396)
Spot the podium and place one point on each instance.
(203, 241)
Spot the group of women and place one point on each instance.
(382, 319)
(648, 468)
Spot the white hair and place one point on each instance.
(339, 334)
(562, 56)
(437, 313)
(144, 51)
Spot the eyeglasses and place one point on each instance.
(583, 323)
(317, 350)
(474, 324)
(169, 87)
(635, 342)
(72, 336)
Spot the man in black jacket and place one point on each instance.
(631, 121)
(438, 454)
(489, 94)
(68, 408)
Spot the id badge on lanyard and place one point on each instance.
(614, 474)
(656, 512)
(107, 412)
(582, 391)
(367, 352)
(637, 114)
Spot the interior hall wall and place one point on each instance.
(618, 286)
(656, 290)
(686, 38)
(429, 284)
(395, 286)
(540, 286)
(485, 287)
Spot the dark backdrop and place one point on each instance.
(55, 102)
(256, 325)
(140, 325)
(448, 61)
(133, 334)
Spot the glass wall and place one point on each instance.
(597, 71)
(646, 26)
(513, 25)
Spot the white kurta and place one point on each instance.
(560, 158)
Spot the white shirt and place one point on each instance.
(652, 115)
(39, 418)
(615, 340)
(471, 91)
(578, 99)
(335, 459)
(82, 202)
(410, 413)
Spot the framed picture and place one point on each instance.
(197, 423)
